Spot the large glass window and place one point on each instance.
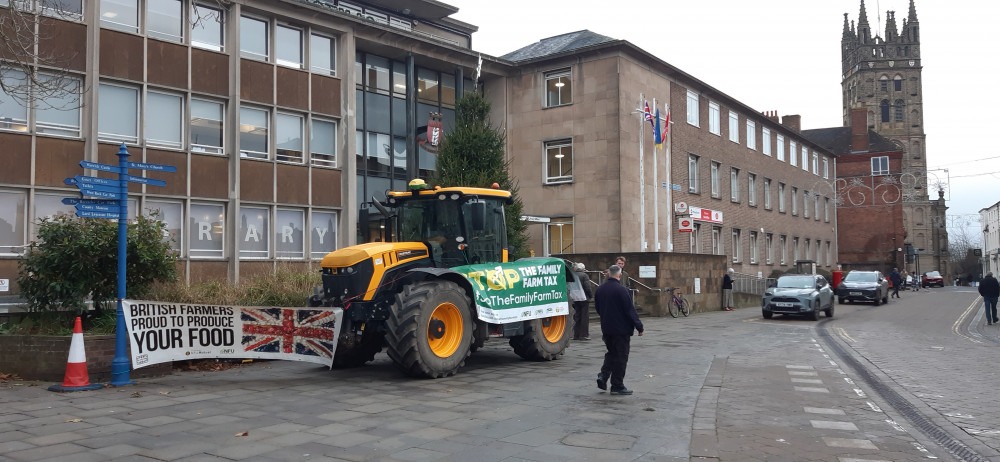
(13, 107)
(254, 234)
(323, 143)
(805, 158)
(558, 88)
(693, 186)
(793, 153)
(117, 114)
(751, 135)
(164, 20)
(427, 87)
(715, 179)
(63, 9)
(765, 141)
(120, 15)
(560, 236)
(288, 137)
(713, 118)
(12, 221)
(781, 148)
(323, 234)
(288, 234)
(751, 189)
(734, 127)
(781, 197)
(558, 161)
(692, 108)
(880, 165)
(253, 38)
(288, 46)
(206, 126)
(171, 214)
(163, 120)
(206, 226)
(322, 54)
(59, 113)
(207, 29)
(734, 184)
(254, 125)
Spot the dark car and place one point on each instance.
(931, 279)
(801, 294)
(864, 286)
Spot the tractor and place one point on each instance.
(439, 284)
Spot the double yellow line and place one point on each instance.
(970, 311)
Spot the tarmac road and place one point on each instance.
(726, 386)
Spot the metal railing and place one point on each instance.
(750, 284)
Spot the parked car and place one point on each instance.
(864, 286)
(931, 278)
(799, 294)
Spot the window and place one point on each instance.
(693, 174)
(253, 38)
(206, 226)
(13, 107)
(826, 209)
(322, 54)
(795, 249)
(164, 20)
(163, 120)
(883, 83)
(897, 110)
(120, 15)
(558, 161)
(734, 127)
(558, 88)
(897, 83)
(559, 236)
(782, 248)
(171, 214)
(63, 9)
(880, 165)
(13, 205)
(751, 189)
(694, 240)
(826, 168)
(767, 193)
(736, 246)
(828, 260)
(288, 137)
(805, 204)
(808, 248)
(734, 184)
(117, 114)
(288, 234)
(765, 141)
(254, 125)
(59, 114)
(751, 135)
(323, 234)
(753, 246)
(717, 240)
(206, 126)
(692, 108)
(805, 158)
(715, 179)
(884, 106)
(254, 235)
(288, 46)
(781, 197)
(793, 154)
(815, 169)
(781, 148)
(768, 248)
(713, 118)
(323, 143)
(816, 206)
(207, 27)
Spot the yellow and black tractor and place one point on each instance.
(440, 285)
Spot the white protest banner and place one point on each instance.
(162, 332)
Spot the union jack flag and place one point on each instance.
(284, 330)
(647, 115)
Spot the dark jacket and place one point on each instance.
(896, 278)
(989, 287)
(585, 282)
(614, 305)
(727, 281)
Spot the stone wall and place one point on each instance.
(40, 357)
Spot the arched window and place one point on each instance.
(898, 110)
(897, 83)
(883, 83)
(885, 110)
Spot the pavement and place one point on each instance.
(716, 386)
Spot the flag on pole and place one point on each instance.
(657, 138)
(666, 123)
(648, 116)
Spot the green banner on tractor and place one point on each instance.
(518, 291)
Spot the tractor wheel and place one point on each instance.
(355, 351)
(430, 329)
(544, 339)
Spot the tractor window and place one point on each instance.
(437, 222)
(485, 221)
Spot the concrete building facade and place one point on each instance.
(990, 218)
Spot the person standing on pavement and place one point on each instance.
(618, 321)
(897, 280)
(989, 288)
(727, 290)
(581, 308)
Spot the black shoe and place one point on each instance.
(621, 391)
(602, 382)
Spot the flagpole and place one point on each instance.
(670, 188)
(642, 185)
(656, 197)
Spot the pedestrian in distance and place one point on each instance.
(896, 280)
(581, 308)
(727, 290)
(619, 321)
(989, 288)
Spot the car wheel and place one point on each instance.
(814, 315)
(841, 301)
(829, 311)
(878, 301)
(767, 314)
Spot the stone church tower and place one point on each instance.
(882, 75)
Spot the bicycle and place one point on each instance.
(677, 304)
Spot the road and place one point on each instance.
(723, 386)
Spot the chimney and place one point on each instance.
(792, 122)
(859, 130)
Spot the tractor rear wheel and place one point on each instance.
(544, 339)
(429, 332)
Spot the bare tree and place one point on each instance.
(28, 71)
(964, 237)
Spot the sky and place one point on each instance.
(784, 56)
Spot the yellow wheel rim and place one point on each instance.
(554, 328)
(444, 330)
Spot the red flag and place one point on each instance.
(666, 124)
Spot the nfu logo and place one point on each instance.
(227, 351)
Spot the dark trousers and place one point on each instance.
(616, 359)
(581, 319)
(990, 305)
(895, 290)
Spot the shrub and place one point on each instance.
(287, 287)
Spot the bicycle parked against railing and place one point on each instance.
(677, 303)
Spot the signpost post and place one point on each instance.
(112, 203)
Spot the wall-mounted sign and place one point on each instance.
(685, 225)
(700, 214)
(681, 207)
(647, 271)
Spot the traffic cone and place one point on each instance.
(76, 378)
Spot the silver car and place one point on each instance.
(864, 286)
(800, 294)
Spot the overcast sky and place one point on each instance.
(784, 55)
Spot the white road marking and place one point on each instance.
(793, 366)
(924, 450)
(812, 389)
(860, 392)
(849, 443)
(895, 425)
(874, 406)
(833, 425)
(823, 410)
(803, 373)
(813, 381)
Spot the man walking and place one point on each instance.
(897, 280)
(989, 288)
(618, 321)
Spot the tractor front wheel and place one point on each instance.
(544, 339)
(429, 332)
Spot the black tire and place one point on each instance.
(815, 314)
(355, 351)
(829, 311)
(672, 308)
(878, 301)
(544, 339)
(767, 314)
(842, 301)
(685, 307)
(430, 329)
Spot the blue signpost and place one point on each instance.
(113, 203)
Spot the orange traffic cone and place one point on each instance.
(76, 378)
